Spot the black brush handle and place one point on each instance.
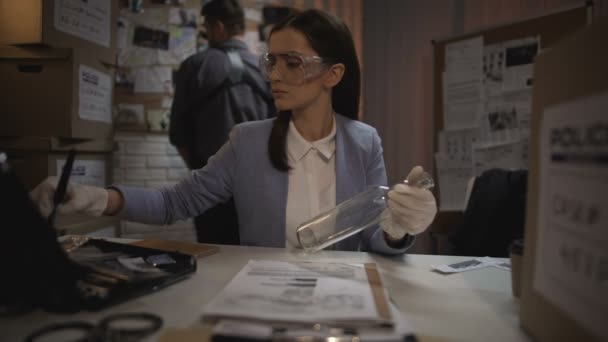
(62, 186)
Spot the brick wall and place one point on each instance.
(149, 160)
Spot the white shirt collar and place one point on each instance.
(298, 147)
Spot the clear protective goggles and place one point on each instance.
(292, 68)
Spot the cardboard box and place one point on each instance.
(34, 159)
(55, 93)
(564, 288)
(88, 25)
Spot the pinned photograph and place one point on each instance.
(151, 38)
(502, 119)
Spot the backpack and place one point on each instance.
(211, 131)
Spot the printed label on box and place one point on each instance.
(88, 172)
(94, 95)
(571, 256)
(88, 20)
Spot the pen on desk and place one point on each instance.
(62, 186)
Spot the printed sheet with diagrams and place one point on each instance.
(305, 294)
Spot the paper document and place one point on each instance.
(94, 95)
(473, 264)
(464, 56)
(89, 20)
(156, 79)
(462, 100)
(122, 33)
(134, 56)
(493, 69)
(182, 44)
(571, 254)
(522, 104)
(310, 292)
(154, 18)
(130, 114)
(453, 178)
(402, 331)
(504, 155)
(456, 145)
(519, 63)
(463, 84)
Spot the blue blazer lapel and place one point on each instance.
(345, 166)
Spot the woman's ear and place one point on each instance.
(333, 75)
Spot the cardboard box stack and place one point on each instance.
(57, 62)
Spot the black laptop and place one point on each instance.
(37, 272)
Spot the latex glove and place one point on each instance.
(79, 199)
(410, 209)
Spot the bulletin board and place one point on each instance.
(483, 86)
(153, 38)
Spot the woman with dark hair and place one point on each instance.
(284, 171)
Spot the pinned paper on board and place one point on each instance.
(130, 115)
(155, 79)
(184, 17)
(456, 145)
(453, 180)
(153, 18)
(122, 33)
(503, 155)
(462, 101)
(493, 69)
(465, 57)
(519, 63)
(158, 120)
(150, 38)
(182, 44)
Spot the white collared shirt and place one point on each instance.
(312, 180)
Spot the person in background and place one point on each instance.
(215, 90)
(285, 170)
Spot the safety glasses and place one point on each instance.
(292, 68)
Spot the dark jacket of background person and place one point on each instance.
(206, 106)
(495, 214)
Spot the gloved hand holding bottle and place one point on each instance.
(408, 208)
(411, 208)
(79, 199)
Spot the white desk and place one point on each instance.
(470, 306)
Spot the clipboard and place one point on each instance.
(375, 283)
(236, 313)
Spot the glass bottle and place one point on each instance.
(349, 217)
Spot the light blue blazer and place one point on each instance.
(242, 169)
